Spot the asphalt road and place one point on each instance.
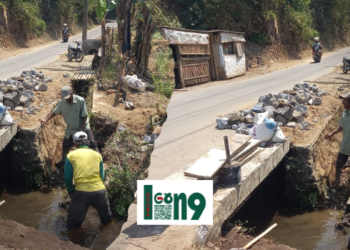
(14, 66)
(189, 133)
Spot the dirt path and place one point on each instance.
(16, 236)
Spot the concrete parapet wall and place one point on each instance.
(226, 202)
(6, 134)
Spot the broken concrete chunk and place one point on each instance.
(340, 88)
(273, 102)
(24, 101)
(234, 127)
(247, 112)
(321, 93)
(259, 108)
(283, 103)
(1, 96)
(265, 99)
(301, 108)
(222, 123)
(317, 101)
(314, 89)
(29, 84)
(291, 125)
(66, 75)
(306, 85)
(2, 87)
(286, 112)
(28, 94)
(249, 119)
(9, 104)
(48, 79)
(297, 116)
(13, 97)
(41, 87)
(31, 110)
(302, 97)
(41, 76)
(235, 118)
(242, 131)
(281, 119)
(270, 109)
(293, 101)
(304, 126)
(19, 109)
(33, 72)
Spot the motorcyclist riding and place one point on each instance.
(317, 48)
(65, 33)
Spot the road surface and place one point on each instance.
(14, 66)
(189, 131)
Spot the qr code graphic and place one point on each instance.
(163, 212)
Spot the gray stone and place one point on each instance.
(13, 97)
(28, 94)
(291, 125)
(24, 101)
(306, 85)
(304, 126)
(33, 76)
(31, 110)
(340, 88)
(321, 93)
(283, 103)
(1, 96)
(247, 112)
(234, 127)
(66, 75)
(302, 97)
(270, 109)
(41, 87)
(242, 131)
(293, 101)
(283, 96)
(49, 79)
(295, 88)
(9, 104)
(297, 116)
(314, 89)
(222, 123)
(286, 112)
(242, 125)
(259, 108)
(249, 119)
(273, 102)
(301, 108)
(33, 72)
(41, 76)
(29, 84)
(317, 101)
(8, 107)
(235, 118)
(19, 109)
(20, 87)
(281, 119)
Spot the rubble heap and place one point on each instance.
(287, 108)
(17, 93)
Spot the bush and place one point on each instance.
(163, 87)
(120, 189)
(163, 59)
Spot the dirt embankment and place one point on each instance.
(16, 236)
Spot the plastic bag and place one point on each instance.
(134, 82)
(279, 136)
(5, 118)
(259, 118)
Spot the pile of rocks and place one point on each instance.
(16, 93)
(287, 108)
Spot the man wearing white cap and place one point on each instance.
(75, 114)
(85, 166)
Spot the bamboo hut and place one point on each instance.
(201, 56)
(191, 52)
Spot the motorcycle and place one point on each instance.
(75, 52)
(317, 57)
(65, 37)
(346, 64)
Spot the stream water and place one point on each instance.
(41, 211)
(312, 230)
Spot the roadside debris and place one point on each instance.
(287, 108)
(134, 82)
(17, 91)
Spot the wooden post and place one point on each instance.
(259, 237)
(85, 21)
(103, 28)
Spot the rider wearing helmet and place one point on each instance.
(65, 33)
(317, 48)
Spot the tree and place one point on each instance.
(101, 12)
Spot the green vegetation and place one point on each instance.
(163, 87)
(28, 18)
(289, 22)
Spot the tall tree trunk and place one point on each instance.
(103, 46)
(86, 12)
(127, 30)
(145, 30)
(120, 10)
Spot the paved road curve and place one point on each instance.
(190, 133)
(14, 66)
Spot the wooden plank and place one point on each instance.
(253, 144)
(190, 78)
(251, 156)
(206, 167)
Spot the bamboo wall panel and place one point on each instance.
(194, 49)
(195, 71)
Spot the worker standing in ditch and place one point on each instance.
(344, 126)
(85, 166)
(75, 114)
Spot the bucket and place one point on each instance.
(230, 175)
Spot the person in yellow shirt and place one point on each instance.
(85, 167)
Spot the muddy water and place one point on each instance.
(40, 211)
(306, 231)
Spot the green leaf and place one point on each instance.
(142, 18)
(111, 6)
